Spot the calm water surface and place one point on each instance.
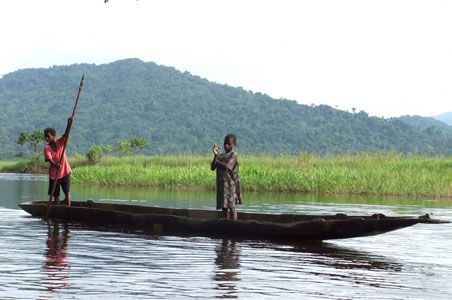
(40, 260)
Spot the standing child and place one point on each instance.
(53, 152)
(228, 182)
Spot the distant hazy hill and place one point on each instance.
(178, 112)
(445, 117)
(426, 122)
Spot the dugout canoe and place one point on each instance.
(197, 222)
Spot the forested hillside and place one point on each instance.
(426, 122)
(178, 112)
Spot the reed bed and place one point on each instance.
(22, 166)
(367, 174)
(5, 166)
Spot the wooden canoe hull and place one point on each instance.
(156, 220)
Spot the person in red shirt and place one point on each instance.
(53, 151)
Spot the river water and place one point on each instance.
(40, 260)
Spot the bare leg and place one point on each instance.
(225, 213)
(233, 214)
(57, 200)
(68, 199)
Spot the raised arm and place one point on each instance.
(216, 152)
(68, 127)
(230, 164)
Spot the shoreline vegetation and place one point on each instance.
(382, 174)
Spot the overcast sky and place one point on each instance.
(387, 58)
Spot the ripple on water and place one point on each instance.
(58, 260)
(21, 176)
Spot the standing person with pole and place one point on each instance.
(59, 169)
(55, 154)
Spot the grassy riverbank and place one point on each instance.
(368, 174)
(9, 166)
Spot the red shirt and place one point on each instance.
(55, 156)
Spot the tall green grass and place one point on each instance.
(157, 171)
(23, 166)
(369, 174)
(366, 174)
(5, 166)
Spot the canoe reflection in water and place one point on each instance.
(56, 267)
(341, 264)
(345, 258)
(227, 271)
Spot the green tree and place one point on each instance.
(132, 145)
(122, 147)
(95, 154)
(33, 142)
(137, 144)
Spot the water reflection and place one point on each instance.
(36, 260)
(332, 255)
(56, 266)
(227, 271)
(344, 264)
(347, 258)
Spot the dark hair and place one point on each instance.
(232, 137)
(50, 130)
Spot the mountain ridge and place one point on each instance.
(178, 112)
(445, 118)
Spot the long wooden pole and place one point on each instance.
(64, 149)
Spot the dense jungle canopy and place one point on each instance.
(178, 112)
